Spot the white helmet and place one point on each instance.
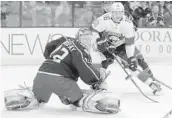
(117, 6)
(117, 10)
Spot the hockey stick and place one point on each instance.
(168, 114)
(162, 83)
(129, 76)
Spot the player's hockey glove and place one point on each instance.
(132, 61)
(102, 44)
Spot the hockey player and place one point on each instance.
(106, 5)
(117, 36)
(68, 59)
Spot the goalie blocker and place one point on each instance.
(68, 61)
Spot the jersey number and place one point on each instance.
(58, 58)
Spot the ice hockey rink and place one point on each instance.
(29, 26)
(133, 104)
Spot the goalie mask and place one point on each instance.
(84, 35)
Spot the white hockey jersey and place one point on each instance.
(124, 28)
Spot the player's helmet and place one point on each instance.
(117, 10)
(84, 35)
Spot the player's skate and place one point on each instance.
(146, 76)
(156, 87)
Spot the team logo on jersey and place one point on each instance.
(114, 34)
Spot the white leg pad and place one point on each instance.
(20, 99)
(100, 102)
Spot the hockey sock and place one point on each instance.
(145, 76)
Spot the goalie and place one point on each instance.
(117, 37)
(67, 59)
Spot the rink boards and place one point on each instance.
(25, 46)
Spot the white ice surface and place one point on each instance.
(133, 104)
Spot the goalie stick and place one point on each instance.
(129, 76)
